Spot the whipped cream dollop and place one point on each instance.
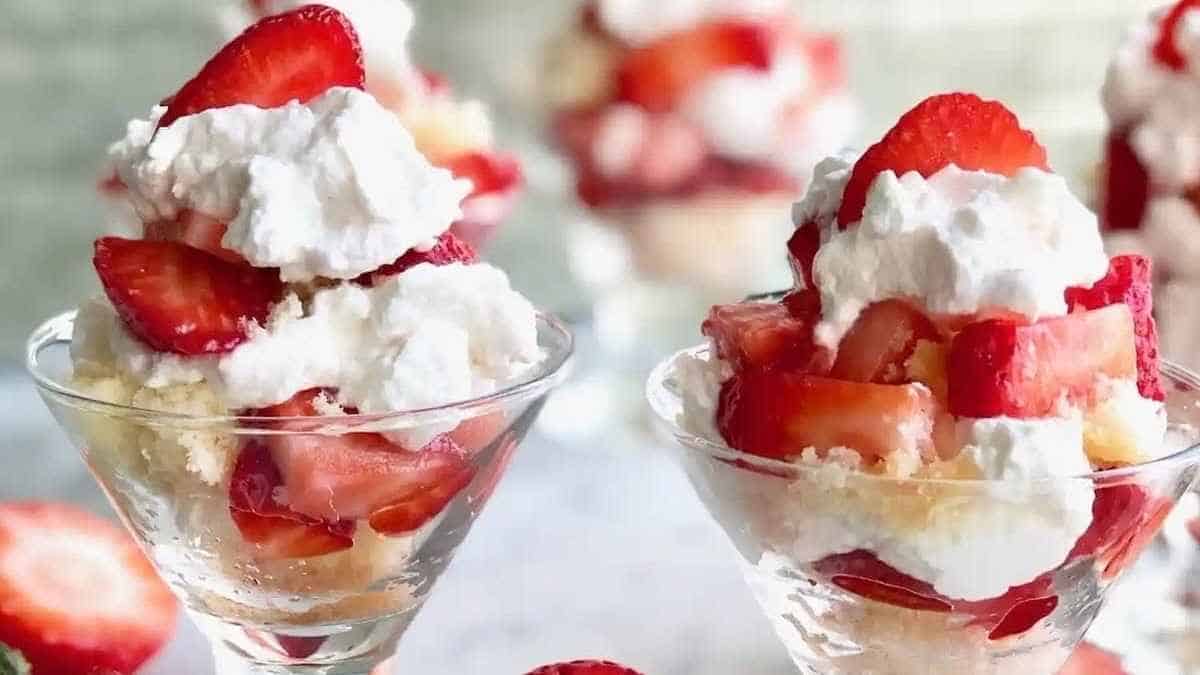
(1156, 103)
(332, 188)
(959, 242)
(641, 21)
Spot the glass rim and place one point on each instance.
(664, 402)
(553, 368)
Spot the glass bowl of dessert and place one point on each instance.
(300, 386)
(938, 450)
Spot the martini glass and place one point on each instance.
(848, 614)
(337, 613)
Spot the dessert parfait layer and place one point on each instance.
(241, 387)
(927, 450)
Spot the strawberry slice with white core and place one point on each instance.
(1002, 368)
(880, 343)
(779, 414)
(584, 667)
(297, 55)
(76, 593)
(1129, 282)
(358, 475)
(448, 249)
(196, 230)
(180, 299)
(766, 335)
(659, 75)
(959, 129)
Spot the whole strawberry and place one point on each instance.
(589, 667)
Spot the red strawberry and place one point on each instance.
(363, 475)
(660, 74)
(196, 230)
(766, 335)
(1125, 189)
(1124, 519)
(1016, 611)
(277, 531)
(1088, 659)
(448, 249)
(802, 251)
(180, 299)
(779, 414)
(497, 181)
(861, 573)
(879, 344)
(999, 367)
(76, 594)
(959, 129)
(1128, 281)
(590, 667)
(487, 171)
(297, 55)
(1023, 616)
(1165, 49)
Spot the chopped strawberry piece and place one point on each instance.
(297, 55)
(487, 171)
(179, 299)
(779, 414)
(1088, 659)
(1001, 368)
(802, 251)
(448, 249)
(1165, 50)
(1023, 616)
(766, 335)
(1125, 189)
(196, 230)
(589, 667)
(659, 75)
(1128, 281)
(76, 593)
(959, 129)
(861, 573)
(277, 531)
(360, 475)
(1125, 518)
(878, 346)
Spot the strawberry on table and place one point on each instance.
(587, 667)
(180, 299)
(76, 593)
(999, 367)
(959, 129)
(448, 249)
(296, 55)
(766, 335)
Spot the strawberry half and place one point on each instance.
(659, 75)
(880, 342)
(1125, 189)
(1165, 49)
(589, 667)
(297, 55)
(1088, 659)
(767, 335)
(180, 299)
(196, 230)
(779, 414)
(1128, 282)
(999, 367)
(959, 129)
(76, 593)
(448, 249)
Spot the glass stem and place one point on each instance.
(227, 662)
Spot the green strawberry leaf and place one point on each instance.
(12, 662)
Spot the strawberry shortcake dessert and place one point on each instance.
(958, 355)
(296, 259)
(690, 124)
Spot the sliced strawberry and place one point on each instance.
(802, 251)
(297, 55)
(1125, 517)
(861, 573)
(180, 299)
(277, 531)
(659, 75)
(360, 475)
(1023, 616)
(1088, 659)
(497, 181)
(959, 129)
(779, 414)
(76, 593)
(448, 249)
(589, 667)
(878, 346)
(1128, 281)
(1125, 189)
(1165, 50)
(766, 335)
(487, 171)
(1001, 368)
(196, 230)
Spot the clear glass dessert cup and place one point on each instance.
(339, 613)
(839, 611)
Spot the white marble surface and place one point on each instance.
(594, 549)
